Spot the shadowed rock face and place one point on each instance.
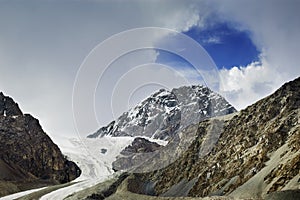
(255, 153)
(8, 107)
(134, 154)
(26, 151)
(140, 145)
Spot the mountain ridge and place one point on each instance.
(28, 157)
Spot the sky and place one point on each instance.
(251, 48)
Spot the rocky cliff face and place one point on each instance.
(26, 152)
(165, 112)
(250, 155)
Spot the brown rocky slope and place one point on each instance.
(257, 155)
(258, 152)
(28, 157)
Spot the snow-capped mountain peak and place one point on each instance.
(165, 112)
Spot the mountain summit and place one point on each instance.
(165, 112)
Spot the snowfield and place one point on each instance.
(94, 156)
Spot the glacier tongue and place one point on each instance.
(91, 157)
(95, 156)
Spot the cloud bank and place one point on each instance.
(274, 27)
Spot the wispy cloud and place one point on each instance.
(212, 40)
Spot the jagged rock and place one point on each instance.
(103, 151)
(8, 107)
(26, 151)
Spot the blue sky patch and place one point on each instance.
(227, 46)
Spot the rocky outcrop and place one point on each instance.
(250, 155)
(26, 152)
(140, 145)
(8, 107)
(135, 154)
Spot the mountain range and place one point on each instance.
(250, 154)
(187, 143)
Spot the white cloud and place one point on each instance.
(243, 86)
(274, 27)
(183, 20)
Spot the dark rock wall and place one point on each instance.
(26, 147)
